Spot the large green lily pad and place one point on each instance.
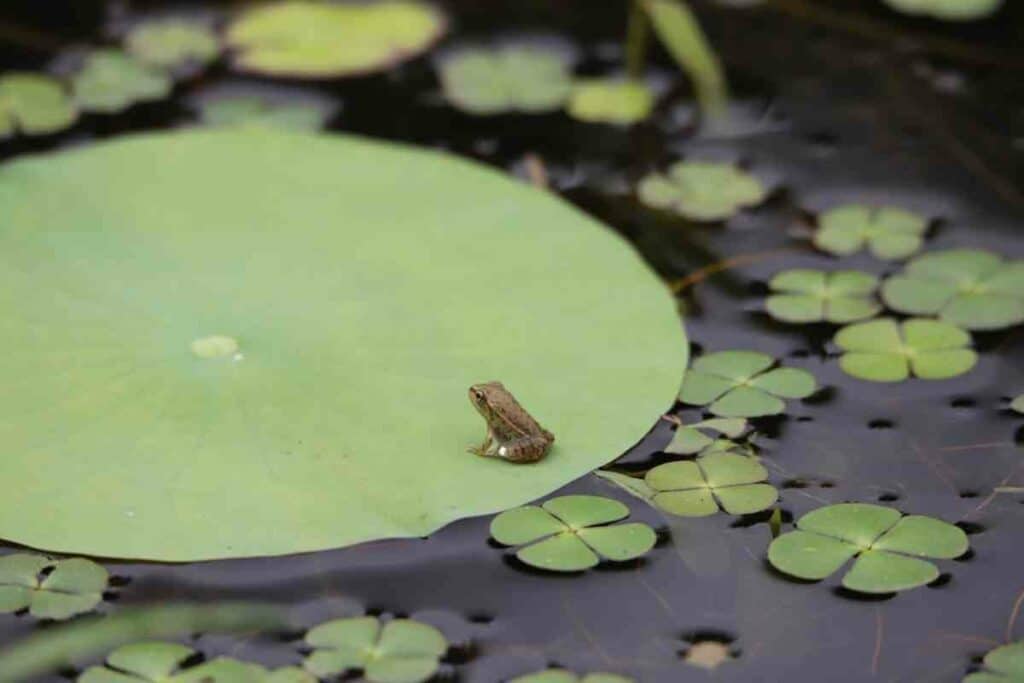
(263, 343)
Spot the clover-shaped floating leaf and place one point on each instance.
(572, 533)
(50, 588)
(740, 384)
(1017, 404)
(524, 78)
(694, 438)
(1005, 664)
(325, 40)
(173, 44)
(256, 110)
(974, 289)
(110, 81)
(886, 544)
(804, 296)
(888, 232)
(565, 676)
(888, 351)
(610, 100)
(33, 105)
(702, 190)
(949, 10)
(698, 488)
(397, 651)
(160, 662)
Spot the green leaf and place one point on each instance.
(702, 190)
(399, 651)
(173, 44)
(512, 78)
(1017, 404)
(307, 39)
(306, 260)
(970, 288)
(690, 439)
(884, 350)
(698, 488)
(809, 556)
(143, 661)
(875, 571)
(812, 295)
(890, 233)
(33, 105)
(525, 524)
(247, 104)
(1004, 664)
(583, 511)
(71, 587)
(925, 537)
(564, 676)
(735, 384)
(635, 486)
(948, 10)
(110, 81)
(607, 100)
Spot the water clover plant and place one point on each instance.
(702, 190)
(565, 676)
(609, 100)
(50, 588)
(694, 438)
(162, 662)
(256, 111)
(885, 545)
(173, 44)
(1017, 404)
(888, 232)
(523, 78)
(572, 533)
(395, 651)
(326, 40)
(974, 289)
(885, 350)
(1005, 664)
(33, 105)
(110, 81)
(949, 10)
(698, 488)
(804, 296)
(743, 384)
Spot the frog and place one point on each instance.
(512, 433)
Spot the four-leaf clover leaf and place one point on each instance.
(512, 78)
(884, 350)
(50, 588)
(740, 384)
(565, 676)
(605, 100)
(110, 81)
(694, 438)
(804, 296)
(889, 233)
(702, 190)
(396, 651)
(572, 533)
(974, 289)
(33, 105)
(698, 488)
(160, 662)
(173, 43)
(1005, 664)
(887, 547)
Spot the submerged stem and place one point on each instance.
(637, 39)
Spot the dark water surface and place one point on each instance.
(834, 109)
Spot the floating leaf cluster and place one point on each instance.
(110, 81)
(744, 384)
(888, 232)
(161, 662)
(173, 44)
(50, 588)
(565, 676)
(698, 488)
(395, 651)
(1005, 664)
(32, 104)
(885, 350)
(512, 78)
(702, 190)
(805, 296)
(693, 438)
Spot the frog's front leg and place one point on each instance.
(484, 448)
(524, 449)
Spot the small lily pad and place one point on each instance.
(33, 105)
(254, 106)
(948, 10)
(610, 100)
(974, 289)
(110, 81)
(726, 481)
(702, 190)
(1005, 664)
(565, 676)
(326, 40)
(173, 44)
(889, 233)
(887, 547)
(523, 78)
(572, 533)
(694, 438)
(396, 651)
(804, 296)
(50, 588)
(888, 351)
(743, 384)
(1017, 404)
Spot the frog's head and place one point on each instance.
(482, 396)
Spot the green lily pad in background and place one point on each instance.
(300, 424)
(702, 190)
(50, 588)
(743, 384)
(572, 533)
(734, 483)
(887, 547)
(889, 233)
(110, 81)
(1005, 664)
(236, 104)
(565, 676)
(396, 651)
(694, 438)
(33, 105)
(804, 296)
(610, 100)
(1017, 404)
(177, 45)
(512, 78)
(888, 351)
(326, 40)
(974, 289)
(949, 10)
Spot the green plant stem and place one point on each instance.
(637, 39)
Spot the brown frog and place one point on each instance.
(512, 433)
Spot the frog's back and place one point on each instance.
(516, 422)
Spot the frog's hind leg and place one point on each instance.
(484, 449)
(524, 449)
